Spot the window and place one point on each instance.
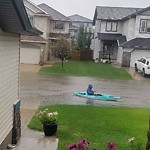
(111, 26)
(147, 63)
(145, 26)
(59, 25)
(31, 20)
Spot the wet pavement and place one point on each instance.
(41, 89)
(38, 89)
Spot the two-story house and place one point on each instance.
(121, 34)
(76, 22)
(14, 21)
(58, 26)
(52, 23)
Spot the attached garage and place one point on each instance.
(137, 54)
(30, 53)
(134, 50)
(32, 49)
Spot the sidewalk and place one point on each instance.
(31, 139)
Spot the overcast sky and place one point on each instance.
(86, 8)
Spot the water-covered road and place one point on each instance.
(40, 89)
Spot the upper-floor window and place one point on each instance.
(31, 20)
(59, 25)
(111, 26)
(145, 26)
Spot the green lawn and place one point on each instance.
(99, 125)
(86, 68)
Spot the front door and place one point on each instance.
(108, 49)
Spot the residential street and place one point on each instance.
(40, 89)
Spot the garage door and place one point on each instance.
(137, 54)
(30, 55)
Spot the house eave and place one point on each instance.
(16, 19)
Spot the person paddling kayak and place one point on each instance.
(89, 90)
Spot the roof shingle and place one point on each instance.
(137, 42)
(114, 13)
(55, 15)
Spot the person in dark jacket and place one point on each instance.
(89, 90)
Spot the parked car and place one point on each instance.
(143, 65)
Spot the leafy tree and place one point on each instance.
(62, 48)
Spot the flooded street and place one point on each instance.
(38, 89)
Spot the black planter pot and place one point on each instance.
(50, 129)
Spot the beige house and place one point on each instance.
(51, 23)
(13, 22)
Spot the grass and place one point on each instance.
(98, 125)
(86, 68)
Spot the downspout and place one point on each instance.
(19, 67)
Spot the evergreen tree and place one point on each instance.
(83, 39)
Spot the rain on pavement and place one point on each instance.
(38, 89)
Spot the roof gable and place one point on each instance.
(78, 18)
(113, 13)
(142, 11)
(33, 7)
(55, 15)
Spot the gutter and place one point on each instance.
(22, 14)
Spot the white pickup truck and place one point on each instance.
(143, 65)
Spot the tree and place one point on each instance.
(62, 48)
(83, 39)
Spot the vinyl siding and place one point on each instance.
(9, 80)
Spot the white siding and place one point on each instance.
(9, 77)
(129, 28)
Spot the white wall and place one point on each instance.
(41, 23)
(9, 80)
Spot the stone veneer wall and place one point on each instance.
(16, 131)
(126, 59)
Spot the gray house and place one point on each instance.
(121, 34)
(76, 22)
(13, 22)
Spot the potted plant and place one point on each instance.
(49, 121)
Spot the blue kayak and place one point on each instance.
(97, 96)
